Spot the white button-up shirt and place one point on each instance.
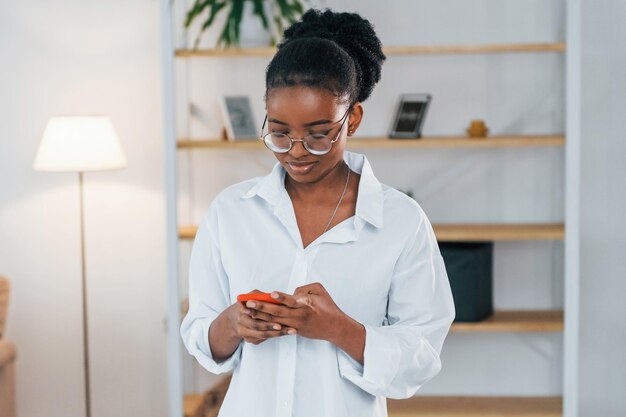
(382, 267)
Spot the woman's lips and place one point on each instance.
(301, 167)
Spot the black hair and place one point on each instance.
(332, 51)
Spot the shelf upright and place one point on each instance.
(174, 360)
(572, 205)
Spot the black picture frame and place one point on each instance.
(410, 116)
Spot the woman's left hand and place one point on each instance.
(310, 310)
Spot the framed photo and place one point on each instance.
(410, 116)
(238, 119)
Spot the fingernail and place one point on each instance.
(291, 331)
(277, 327)
(274, 295)
(251, 304)
(246, 311)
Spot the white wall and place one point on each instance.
(84, 57)
(603, 204)
(515, 93)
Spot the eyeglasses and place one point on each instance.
(314, 143)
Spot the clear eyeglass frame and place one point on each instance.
(308, 141)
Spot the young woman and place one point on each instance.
(364, 298)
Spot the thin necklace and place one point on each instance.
(345, 187)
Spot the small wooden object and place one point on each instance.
(477, 129)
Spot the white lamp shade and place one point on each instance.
(79, 143)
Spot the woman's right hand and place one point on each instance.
(253, 330)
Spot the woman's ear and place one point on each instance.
(354, 120)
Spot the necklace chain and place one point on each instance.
(345, 187)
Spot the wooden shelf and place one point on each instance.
(515, 321)
(444, 406)
(219, 144)
(423, 406)
(468, 232)
(513, 141)
(389, 50)
(488, 232)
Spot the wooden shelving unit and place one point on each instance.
(513, 141)
(423, 406)
(468, 232)
(390, 50)
(502, 321)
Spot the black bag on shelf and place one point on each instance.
(470, 271)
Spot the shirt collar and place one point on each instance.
(369, 205)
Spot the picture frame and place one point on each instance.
(410, 116)
(238, 118)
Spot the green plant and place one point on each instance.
(284, 12)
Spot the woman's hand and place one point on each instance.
(310, 310)
(253, 330)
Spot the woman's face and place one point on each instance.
(299, 111)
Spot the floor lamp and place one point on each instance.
(79, 144)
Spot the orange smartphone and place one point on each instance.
(257, 296)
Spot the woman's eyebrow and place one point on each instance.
(315, 123)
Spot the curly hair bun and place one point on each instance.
(352, 33)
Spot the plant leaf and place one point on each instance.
(197, 9)
(260, 11)
(285, 11)
(225, 38)
(279, 25)
(215, 9)
(298, 7)
(237, 15)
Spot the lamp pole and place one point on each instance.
(84, 291)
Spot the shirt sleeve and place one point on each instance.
(403, 354)
(208, 296)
